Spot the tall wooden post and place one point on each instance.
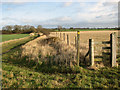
(68, 40)
(113, 49)
(91, 51)
(78, 47)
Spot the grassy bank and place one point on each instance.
(20, 73)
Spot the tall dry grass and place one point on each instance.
(51, 50)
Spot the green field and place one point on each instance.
(12, 36)
(20, 73)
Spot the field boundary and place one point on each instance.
(112, 42)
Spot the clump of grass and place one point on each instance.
(52, 50)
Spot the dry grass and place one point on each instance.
(97, 36)
(52, 50)
(55, 50)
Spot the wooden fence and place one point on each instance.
(112, 48)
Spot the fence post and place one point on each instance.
(78, 46)
(56, 34)
(60, 36)
(64, 36)
(113, 49)
(68, 40)
(75, 41)
(91, 51)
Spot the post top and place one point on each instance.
(78, 32)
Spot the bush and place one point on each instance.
(45, 32)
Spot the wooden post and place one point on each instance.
(91, 51)
(64, 36)
(66, 62)
(113, 49)
(68, 40)
(56, 34)
(75, 41)
(78, 47)
(60, 36)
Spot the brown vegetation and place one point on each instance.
(52, 50)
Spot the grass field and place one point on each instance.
(18, 72)
(21, 74)
(97, 36)
(12, 36)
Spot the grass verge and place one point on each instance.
(13, 44)
(7, 37)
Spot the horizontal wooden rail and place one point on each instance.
(97, 42)
(98, 56)
(106, 53)
(106, 47)
(106, 42)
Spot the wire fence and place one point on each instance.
(103, 50)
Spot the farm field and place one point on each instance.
(97, 36)
(27, 72)
(63, 30)
(12, 36)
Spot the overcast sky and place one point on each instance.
(100, 13)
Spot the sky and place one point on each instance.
(97, 13)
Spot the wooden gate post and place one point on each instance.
(78, 46)
(91, 51)
(68, 40)
(113, 49)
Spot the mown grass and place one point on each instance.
(13, 44)
(19, 73)
(7, 37)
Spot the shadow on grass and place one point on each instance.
(44, 68)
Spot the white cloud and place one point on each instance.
(102, 12)
(61, 19)
(58, 0)
(66, 4)
(65, 19)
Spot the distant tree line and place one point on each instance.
(26, 29)
(18, 29)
